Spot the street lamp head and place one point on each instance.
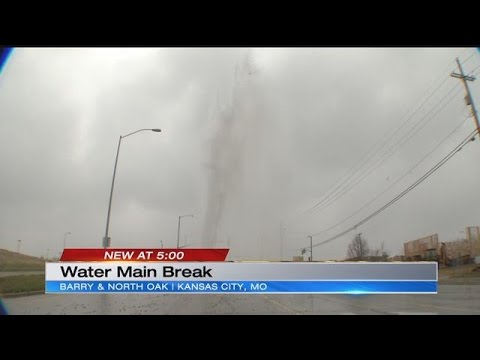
(156, 130)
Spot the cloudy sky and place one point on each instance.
(251, 139)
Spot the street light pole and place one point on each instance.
(106, 239)
(65, 239)
(178, 231)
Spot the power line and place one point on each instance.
(468, 58)
(335, 195)
(471, 72)
(392, 149)
(411, 187)
(465, 50)
(398, 180)
(423, 178)
(373, 151)
(389, 153)
(406, 191)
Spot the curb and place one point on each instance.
(20, 294)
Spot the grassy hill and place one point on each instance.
(12, 261)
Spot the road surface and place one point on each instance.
(451, 299)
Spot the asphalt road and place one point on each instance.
(451, 299)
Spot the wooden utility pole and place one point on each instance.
(468, 97)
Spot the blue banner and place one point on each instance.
(256, 287)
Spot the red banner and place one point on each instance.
(144, 255)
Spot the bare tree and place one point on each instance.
(358, 248)
(375, 253)
(383, 253)
(378, 254)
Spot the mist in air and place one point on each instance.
(244, 186)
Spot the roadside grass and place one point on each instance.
(21, 283)
(12, 261)
(460, 271)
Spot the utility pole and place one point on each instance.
(468, 97)
(311, 248)
(18, 246)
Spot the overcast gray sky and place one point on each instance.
(250, 138)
